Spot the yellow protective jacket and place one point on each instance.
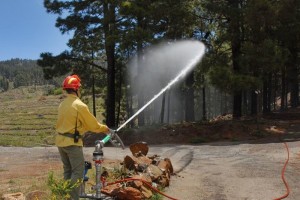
(70, 109)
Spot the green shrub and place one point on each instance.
(60, 188)
(58, 91)
(55, 91)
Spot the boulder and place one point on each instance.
(166, 165)
(34, 195)
(137, 163)
(154, 171)
(147, 193)
(143, 177)
(130, 163)
(129, 193)
(144, 159)
(163, 180)
(111, 190)
(13, 196)
(139, 148)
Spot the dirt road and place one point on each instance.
(226, 171)
(222, 171)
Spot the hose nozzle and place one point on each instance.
(114, 139)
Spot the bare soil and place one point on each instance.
(221, 159)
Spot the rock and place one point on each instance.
(124, 193)
(129, 193)
(155, 159)
(144, 160)
(130, 163)
(142, 167)
(144, 177)
(137, 163)
(166, 165)
(34, 195)
(154, 172)
(146, 192)
(139, 148)
(111, 190)
(137, 184)
(13, 196)
(164, 180)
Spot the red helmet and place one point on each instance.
(72, 82)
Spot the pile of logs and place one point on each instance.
(148, 175)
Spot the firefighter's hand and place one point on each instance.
(107, 131)
(112, 131)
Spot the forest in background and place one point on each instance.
(251, 65)
(21, 72)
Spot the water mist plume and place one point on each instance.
(162, 66)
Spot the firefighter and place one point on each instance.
(74, 119)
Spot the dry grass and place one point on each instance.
(28, 116)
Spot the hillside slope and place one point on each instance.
(28, 118)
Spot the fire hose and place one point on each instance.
(282, 175)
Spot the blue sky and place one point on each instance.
(26, 30)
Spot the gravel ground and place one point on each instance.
(226, 171)
(222, 171)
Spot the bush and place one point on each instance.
(58, 91)
(55, 91)
(60, 188)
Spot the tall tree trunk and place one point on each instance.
(181, 111)
(267, 93)
(189, 98)
(237, 105)
(235, 34)
(294, 95)
(204, 114)
(265, 96)
(270, 88)
(208, 103)
(283, 90)
(169, 105)
(141, 95)
(276, 84)
(129, 109)
(120, 94)
(94, 96)
(162, 112)
(109, 21)
(253, 102)
(294, 79)
(245, 106)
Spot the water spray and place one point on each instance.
(114, 138)
(181, 74)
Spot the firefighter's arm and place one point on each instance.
(90, 123)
